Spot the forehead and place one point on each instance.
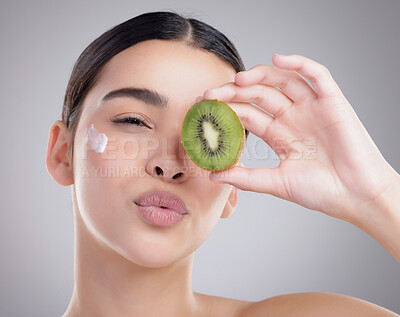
(173, 68)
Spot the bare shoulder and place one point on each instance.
(313, 304)
(220, 306)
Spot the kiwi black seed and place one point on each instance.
(213, 135)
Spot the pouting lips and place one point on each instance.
(164, 199)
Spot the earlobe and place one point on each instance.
(58, 162)
(231, 204)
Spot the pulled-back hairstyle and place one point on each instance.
(148, 26)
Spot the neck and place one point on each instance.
(107, 284)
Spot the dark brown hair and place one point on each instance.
(148, 26)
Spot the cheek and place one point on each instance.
(103, 154)
(102, 182)
(96, 182)
(96, 140)
(211, 198)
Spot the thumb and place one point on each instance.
(261, 180)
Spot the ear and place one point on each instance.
(231, 204)
(58, 161)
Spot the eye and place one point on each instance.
(130, 120)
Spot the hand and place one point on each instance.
(345, 171)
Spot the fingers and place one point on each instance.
(253, 119)
(261, 180)
(268, 98)
(316, 73)
(290, 82)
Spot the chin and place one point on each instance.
(152, 255)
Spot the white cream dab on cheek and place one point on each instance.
(96, 140)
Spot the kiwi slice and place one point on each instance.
(212, 135)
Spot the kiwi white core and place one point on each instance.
(211, 135)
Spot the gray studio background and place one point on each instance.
(269, 246)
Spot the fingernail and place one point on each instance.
(242, 72)
(217, 179)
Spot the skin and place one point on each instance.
(359, 185)
(123, 265)
(127, 267)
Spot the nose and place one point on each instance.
(160, 172)
(169, 167)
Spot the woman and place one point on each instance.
(119, 146)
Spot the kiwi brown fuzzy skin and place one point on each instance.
(238, 156)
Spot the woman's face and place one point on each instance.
(107, 184)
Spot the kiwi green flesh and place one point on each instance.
(212, 135)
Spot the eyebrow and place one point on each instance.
(148, 96)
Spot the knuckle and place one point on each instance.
(265, 133)
(283, 83)
(261, 68)
(325, 69)
(322, 70)
(258, 66)
(246, 116)
(301, 99)
(258, 93)
(233, 94)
